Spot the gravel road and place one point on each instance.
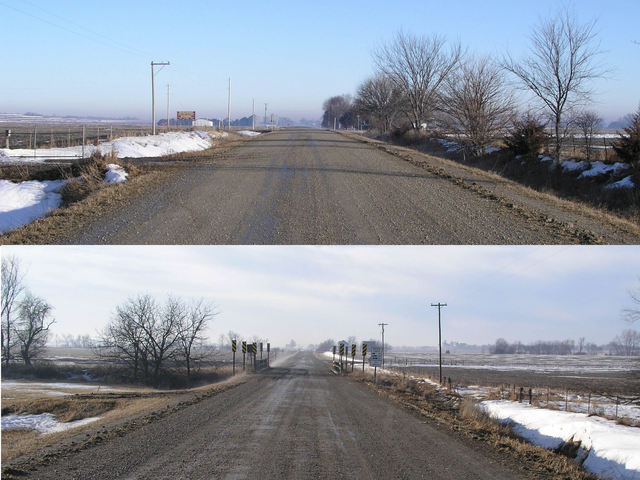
(297, 420)
(318, 187)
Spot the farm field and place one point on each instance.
(596, 373)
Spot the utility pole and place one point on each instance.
(168, 107)
(439, 305)
(253, 115)
(382, 325)
(229, 107)
(153, 94)
(265, 115)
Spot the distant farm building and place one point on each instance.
(201, 122)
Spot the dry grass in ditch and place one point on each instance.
(118, 412)
(465, 419)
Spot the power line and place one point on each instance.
(90, 34)
(382, 325)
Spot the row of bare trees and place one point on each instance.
(149, 337)
(26, 318)
(428, 83)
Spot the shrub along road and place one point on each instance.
(297, 420)
(318, 187)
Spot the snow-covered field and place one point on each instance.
(248, 133)
(43, 423)
(125, 147)
(606, 448)
(23, 202)
(16, 387)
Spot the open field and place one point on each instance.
(596, 373)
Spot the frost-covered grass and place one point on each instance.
(606, 448)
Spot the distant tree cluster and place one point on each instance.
(563, 347)
(71, 341)
(626, 344)
(149, 338)
(426, 84)
(26, 318)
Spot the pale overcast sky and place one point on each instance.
(310, 294)
(86, 57)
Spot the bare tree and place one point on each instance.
(32, 326)
(191, 328)
(12, 286)
(627, 343)
(477, 103)
(418, 66)
(588, 122)
(162, 332)
(335, 109)
(380, 100)
(560, 66)
(581, 341)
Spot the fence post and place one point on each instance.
(566, 400)
(83, 140)
(530, 395)
(604, 141)
(589, 404)
(617, 402)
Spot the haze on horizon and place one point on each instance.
(76, 58)
(310, 294)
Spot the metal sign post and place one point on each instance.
(364, 354)
(244, 355)
(268, 350)
(376, 360)
(341, 354)
(353, 356)
(255, 356)
(233, 349)
(260, 350)
(334, 353)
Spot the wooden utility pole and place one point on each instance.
(439, 305)
(153, 95)
(229, 107)
(382, 325)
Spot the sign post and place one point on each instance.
(334, 353)
(233, 349)
(353, 356)
(376, 360)
(255, 357)
(341, 354)
(364, 354)
(268, 350)
(244, 355)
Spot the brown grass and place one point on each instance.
(119, 412)
(463, 419)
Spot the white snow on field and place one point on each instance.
(600, 168)
(115, 174)
(125, 147)
(626, 182)
(611, 450)
(23, 202)
(248, 133)
(42, 423)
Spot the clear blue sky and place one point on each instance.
(310, 294)
(88, 57)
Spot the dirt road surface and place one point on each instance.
(319, 187)
(298, 421)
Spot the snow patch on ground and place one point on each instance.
(492, 148)
(600, 168)
(626, 182)
(23, 202)
(573, 165)
(248, 133)
(125, 147)
(611, 450)
(115, 174)
(43, 423)
(449, 145)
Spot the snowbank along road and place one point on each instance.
(294, 421)
(319, 187)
